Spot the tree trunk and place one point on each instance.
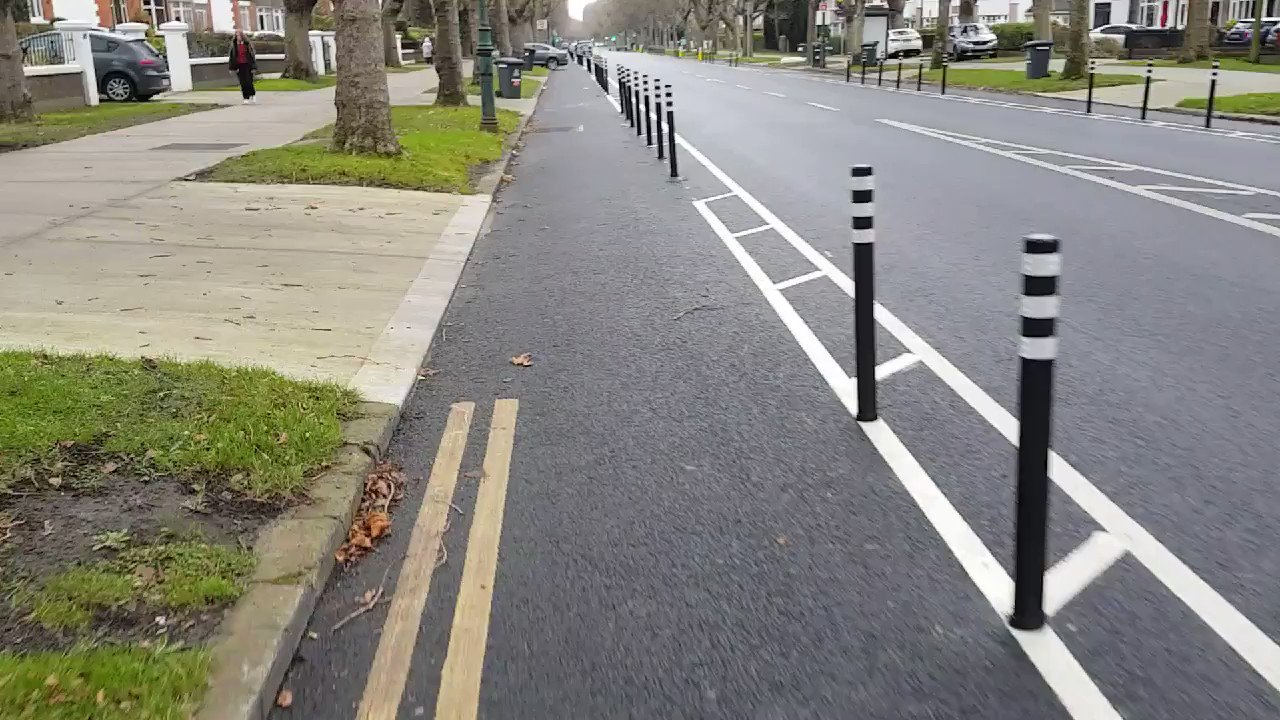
(942, 34)
(390, 48)
(968, 11)
(361, 96)
(466, 27)
(1255, 40)
(897, 20)
(297, 41)
(501, 27)
(1040, 10)
(855, 21)
(811, 32)
(449, 55)
(1195, 38)
(15, 100)
(1077, 41)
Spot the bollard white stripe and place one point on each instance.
(862, 182)
(1040, 306)
(863, 210)
(1038, 348)
(864, 237)
(1042, 264)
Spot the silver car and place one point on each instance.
(544, 54)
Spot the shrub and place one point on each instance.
(321, 21)
(1012, 36)
(26, 28)
(1107, 48)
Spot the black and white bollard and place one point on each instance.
(897, 84)
(622, 93)
(1088, 99)
(863, 80)
(880, 73)
(943, 90)
(1213, 90)
(1038, 347)
(671, 135)
(848, 69)
(919, 76)
(648, 118)
(862, 197)
(639, 106)
(1146, 90)
(657, 117)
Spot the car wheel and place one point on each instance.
(552, 63)
(119, 88)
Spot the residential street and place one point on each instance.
(682, 519)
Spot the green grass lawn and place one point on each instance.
(1017, 80)
(528, 87)
(70, 124)
(442, 145)
(1269, 64)
(266, 433)
(285, 84)
(109, 683)
(537, 71)
(407, 68)
(1249, 103)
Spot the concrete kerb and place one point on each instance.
(257, 639)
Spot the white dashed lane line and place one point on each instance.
(820, 106)
(766, 92)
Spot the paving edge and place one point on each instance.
(257, 639)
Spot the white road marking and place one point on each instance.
(969, 141)
(1079, 568)
(895, 365)
(1180, 188)
(1262, 216)
(820, 106)
(713, 198)
(744, 87)
(1074, 688)
(1090, 168)
(799, 279)
(714, 80)
(766, 92)
(752, 231)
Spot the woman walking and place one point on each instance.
(244, 64)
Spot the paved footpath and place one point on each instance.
(668, 514)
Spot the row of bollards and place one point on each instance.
(1146, 90)
(641, 102)
(897, 83)
(1039, 308)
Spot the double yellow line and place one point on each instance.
(459, 696)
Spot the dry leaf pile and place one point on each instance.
(523, 359)
(382, 486)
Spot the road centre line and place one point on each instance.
(1177, 188)
(977, 143)
(797, 280)
(1254, 646)
(744, 87)
(780, 95)
(752, 231)
(820, 106)
(893, 365)
(1079, 568)
(715, 80)
(459, 695)
(390, 668)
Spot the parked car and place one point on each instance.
(1115, 31)
(544, 54)
(1274, 39)
(126, 68)
(904, 43)
(972, 40)
(1242, 32)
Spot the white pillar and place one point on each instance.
(399, 49)
(175, 45)
(331, 42)
(317, 50)
(75, 33)
(133, 30)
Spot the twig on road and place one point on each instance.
(696, 308)
(366, 606)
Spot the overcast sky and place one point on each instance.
(575, 8)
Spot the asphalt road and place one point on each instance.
(696, 527)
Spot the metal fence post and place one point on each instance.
(1213, 90)
(862, 197)
(1038, 347)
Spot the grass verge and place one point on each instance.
(442, 146)
(1229, 63)
(268, 434)
(537, 71)
(416, 67)
(528, 87)
(70, 124)
(1017, 80)
(102, 683)
(285, 84)
(1248, 104)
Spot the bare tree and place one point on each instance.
(15, 99)
(855, 21)
(1195, 37)
(968, 11)
(361, 96)
(1255, 38)
(811, 30)
(297, 40)
(1040, 10)
(448, 49)
(467, 27)
(941, 35)
(1077, 41)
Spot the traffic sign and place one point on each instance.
(542, 24)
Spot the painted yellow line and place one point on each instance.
(390, 667)
(459, 697)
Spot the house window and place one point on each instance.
(182, 12)
(246, 22)
(118, 14)
(157, 10)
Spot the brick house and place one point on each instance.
(201, 15)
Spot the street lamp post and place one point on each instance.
(484, 54)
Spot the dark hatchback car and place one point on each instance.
(126, 68)
(1242, 32)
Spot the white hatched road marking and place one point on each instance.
(744, 87)
(1079, 568)
(894, 365)
(1262, 216)
(801, 279)
(1074, 688)
(752, 231)
(1182, 188)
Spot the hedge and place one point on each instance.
(1012, 36)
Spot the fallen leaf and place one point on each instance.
(427, 372)
(285, 698)
(199, 437)
(109, 468)
(51, 681)
(313, 206)
(523, 360)
(55, 481)
(143, 575)
(282, 438)
(101, 697)
(150, 455)
(379, 524)
(367, 597)
(362, 541)
(150, 363)
(782, 539)
(48, 527)
(311, 635)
